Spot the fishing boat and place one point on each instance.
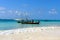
(29, 21)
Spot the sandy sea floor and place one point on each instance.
(36, 33)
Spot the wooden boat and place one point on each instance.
(29, 21)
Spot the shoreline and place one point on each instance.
(35, 33)
(31, 29)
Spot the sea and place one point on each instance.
(8, 24)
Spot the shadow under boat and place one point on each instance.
(29, 21)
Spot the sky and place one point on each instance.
(33, 9)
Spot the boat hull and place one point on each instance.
(29, 23)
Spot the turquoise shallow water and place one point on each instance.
(12, 24)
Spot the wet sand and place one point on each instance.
(36, 33)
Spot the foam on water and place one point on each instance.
(25, 30)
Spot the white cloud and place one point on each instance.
(16, 11)
(53, 11)
(2, 8)
(13, 11)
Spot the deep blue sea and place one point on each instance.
(6, 24)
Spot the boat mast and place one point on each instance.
(26, 15)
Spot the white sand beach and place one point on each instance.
(35, 33)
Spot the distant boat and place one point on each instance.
(29, 21)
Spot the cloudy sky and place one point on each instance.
(34, 9)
